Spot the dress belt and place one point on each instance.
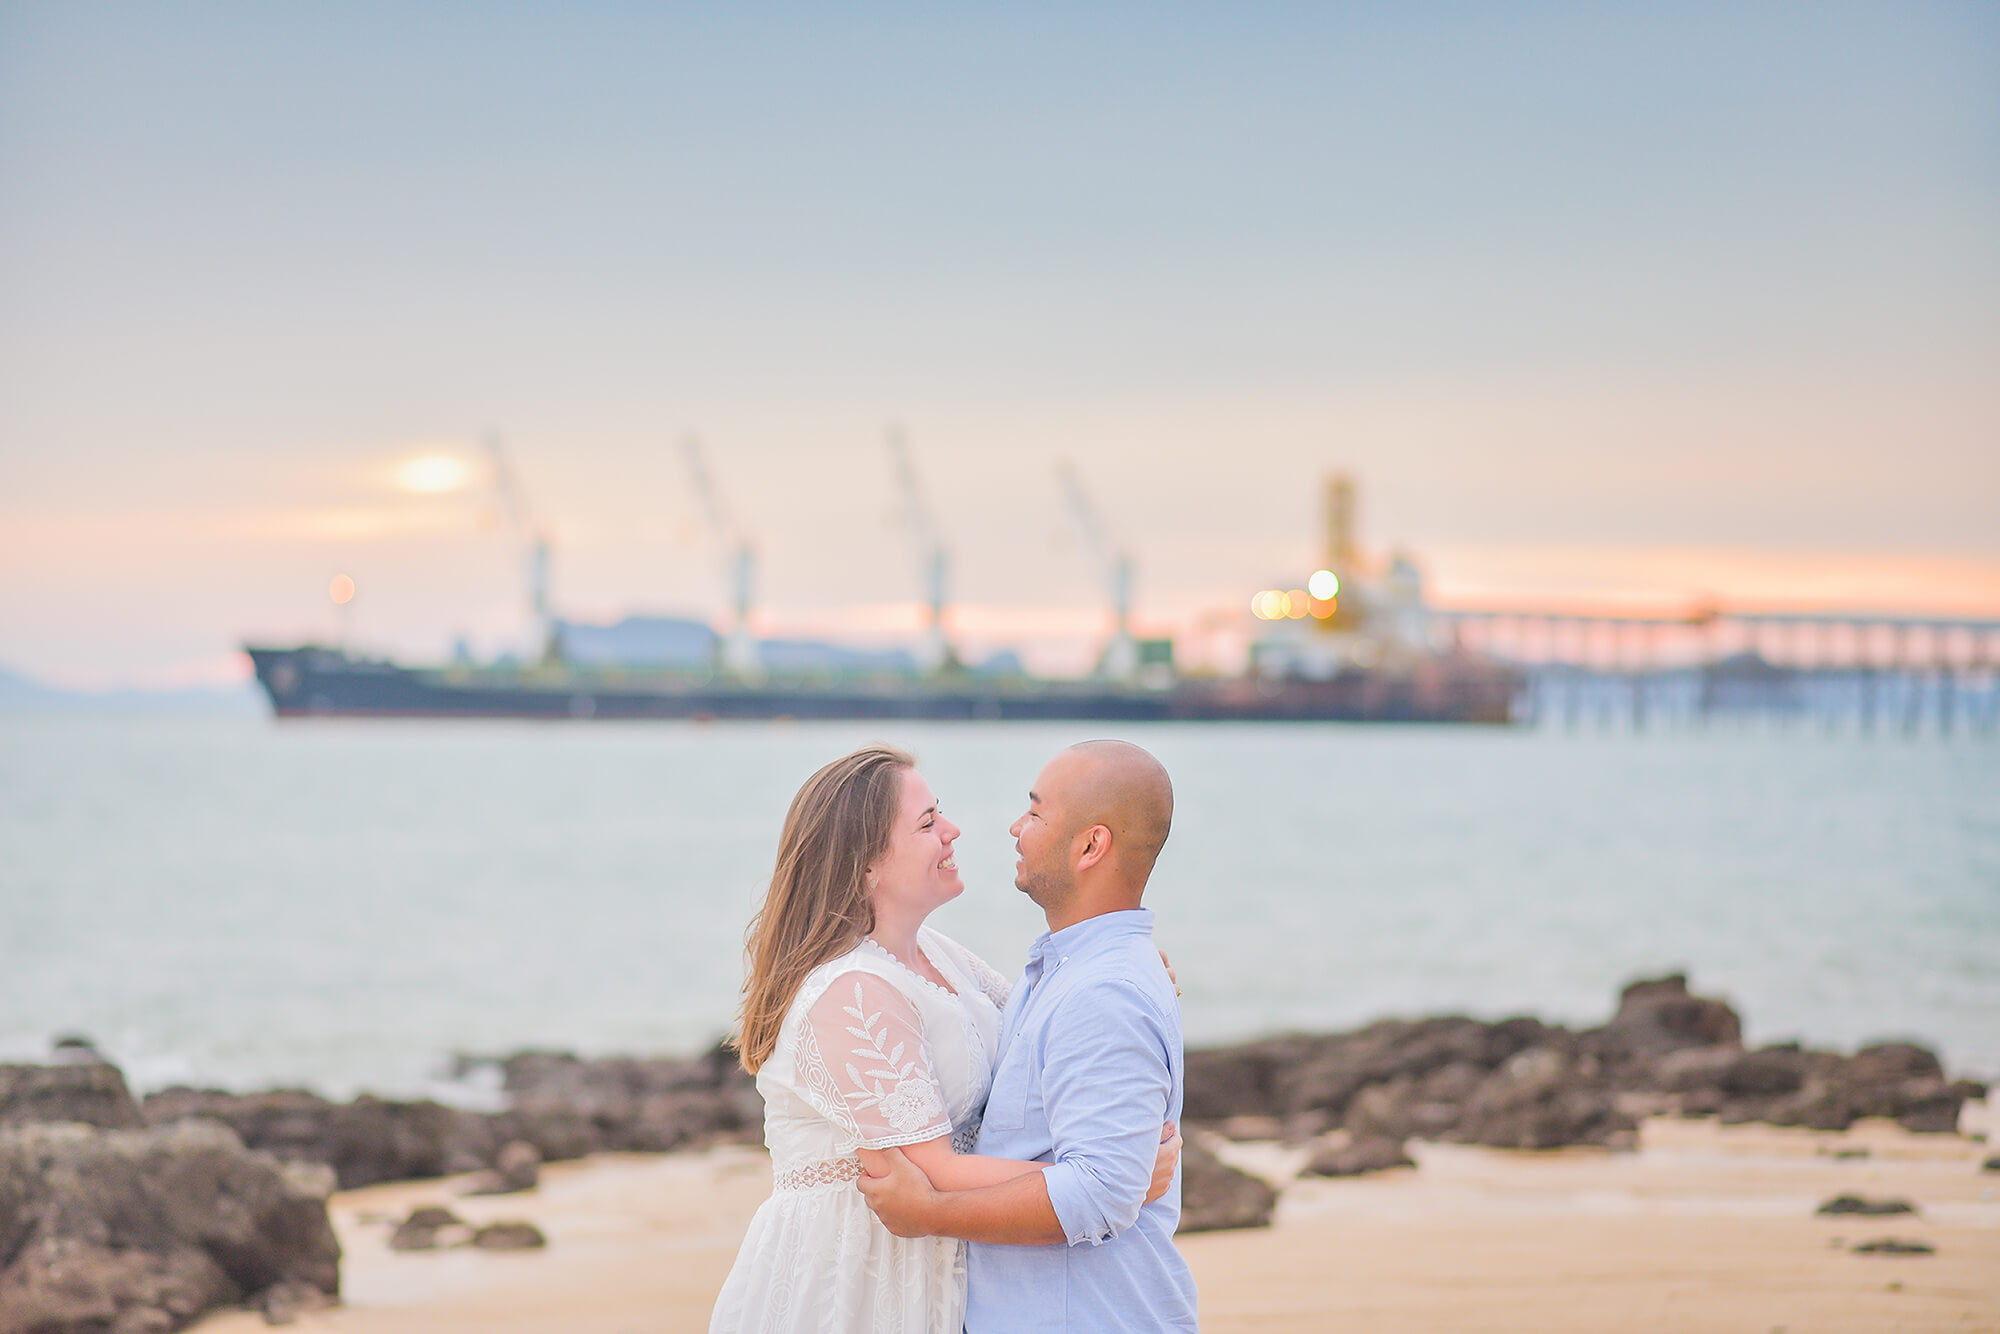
(826, 1172)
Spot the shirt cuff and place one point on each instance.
(1081, 1219)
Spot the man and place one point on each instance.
(1090, 1067)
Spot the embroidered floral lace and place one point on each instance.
(867, 1067)
(827, 1172)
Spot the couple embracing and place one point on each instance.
(951, 1151)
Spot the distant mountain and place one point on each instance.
(22, 694)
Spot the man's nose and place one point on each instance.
(1014, 829)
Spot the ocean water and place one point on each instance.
(344, 905)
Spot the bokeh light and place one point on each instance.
(1323, 585)
(341, 590)
(433, 474)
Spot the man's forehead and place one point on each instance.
(1056, 774)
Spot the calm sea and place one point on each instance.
(228, 900)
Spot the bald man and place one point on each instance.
(1090, 1066)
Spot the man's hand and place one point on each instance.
(1164, 1165)
(898, 1191)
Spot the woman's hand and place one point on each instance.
(1167, 1162)
(1171, 976)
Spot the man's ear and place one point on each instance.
(1096, 847)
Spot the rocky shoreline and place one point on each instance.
(121, 1215)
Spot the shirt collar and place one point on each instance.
(1102, 929)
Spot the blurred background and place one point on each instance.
(1629, 374)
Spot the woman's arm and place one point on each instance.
(970, 1171)
(952, 1171)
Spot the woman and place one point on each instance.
(866, 1030)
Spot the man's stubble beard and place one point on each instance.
(1048, 892)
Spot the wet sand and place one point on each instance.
(1704, 1228)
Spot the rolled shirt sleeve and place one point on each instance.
(1106, 1083)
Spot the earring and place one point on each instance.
(871, 882)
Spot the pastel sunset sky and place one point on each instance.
(1633, 304)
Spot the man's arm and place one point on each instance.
(1013, 1213)
(912, 1204)
(1106, 1084)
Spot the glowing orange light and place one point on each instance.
(1326, 607)
(341, 590)
(1297, 604)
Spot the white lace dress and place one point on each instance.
(871, 1055)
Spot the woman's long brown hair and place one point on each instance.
(817, 907)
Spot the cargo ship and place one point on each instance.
(1352, 644)
(313, 681)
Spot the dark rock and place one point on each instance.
(1693, 1069)
(1892, 1062)
(146, 1229)
(1856, 1204)
(1931, 1107)
(1991, 1164)
(1233, 1081)
(1384, 1111)
(1895, 1246)
(419, 1232)
(92, 1093)
(1542, 1099)
(1369, 1153)
(517, 1168)
(509, 1236)
(1215, 1196)
(283, 1303)
(1658, 1016)
(1766, 1072)
(366, 1141)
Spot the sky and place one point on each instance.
(1601, 305)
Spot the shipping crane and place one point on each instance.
(935, 653)
(534, 538)
(1120, 660)
(739, 649)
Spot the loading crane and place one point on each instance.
(1120, 660)
(534, 537)
(739, 554)
(936, 652)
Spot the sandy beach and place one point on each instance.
(1705, 1227)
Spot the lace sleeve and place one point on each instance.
(866, 1067)
(988, 980)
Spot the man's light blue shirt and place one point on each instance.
(1090, 1068)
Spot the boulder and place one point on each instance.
(1366, 1153)
(1856, 1204)
(1767, 1072)
(517, 1168)
(1215, 1195)
(116, 1230)
(92, 1092)
(513, 1235)
(366, 1141)
(1543, 1099)
(428, 1227)
(1895, 1246)
(1657, 1016)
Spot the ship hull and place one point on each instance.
(312, 682)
